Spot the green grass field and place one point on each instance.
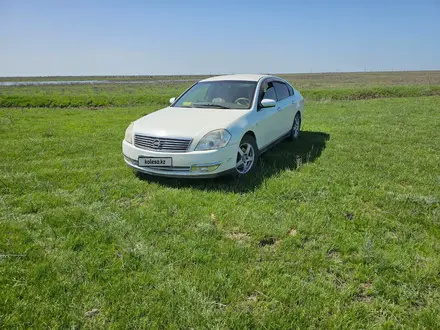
(129, 92)
(340, 229)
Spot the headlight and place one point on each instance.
(129, 134)
(214, 140)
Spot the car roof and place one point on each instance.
(242, 77)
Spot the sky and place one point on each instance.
(67, 37)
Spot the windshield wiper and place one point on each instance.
(215, 105)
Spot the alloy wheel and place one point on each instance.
(245, 158)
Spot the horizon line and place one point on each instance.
(211, 74)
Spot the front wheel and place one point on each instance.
(296, 127)
(247, 155)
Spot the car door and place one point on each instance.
(266, 118)
(285, 108)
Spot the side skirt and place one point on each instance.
(273, 143)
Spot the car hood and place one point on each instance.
(186, 122)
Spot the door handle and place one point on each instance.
(279, 108)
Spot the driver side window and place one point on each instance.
(269, 91)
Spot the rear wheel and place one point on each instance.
(296, 127)
(247, 155)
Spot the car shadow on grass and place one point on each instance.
(287, 155)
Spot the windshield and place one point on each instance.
(219, 94)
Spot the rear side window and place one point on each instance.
(291, 92)
(281, 89)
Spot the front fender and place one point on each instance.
(240, 127)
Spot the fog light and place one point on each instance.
(204, 168)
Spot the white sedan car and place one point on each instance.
(219, 125)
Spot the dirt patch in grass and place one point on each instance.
(293, 232)
(238, 236)
(365, 293)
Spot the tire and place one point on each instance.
(295, 131)
(248, 150)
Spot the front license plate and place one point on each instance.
(156, 161)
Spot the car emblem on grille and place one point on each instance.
(156, 144)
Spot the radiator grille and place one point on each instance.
(161, 144)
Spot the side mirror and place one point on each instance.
(172, 100)
(268, 103)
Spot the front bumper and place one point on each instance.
(225, 158)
